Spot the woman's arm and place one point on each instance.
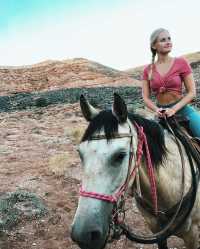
(146, 92)
(191, 92)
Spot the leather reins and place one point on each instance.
(166, 232)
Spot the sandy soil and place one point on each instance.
(38, 154)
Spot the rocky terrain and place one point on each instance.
(52, 75)
(38, 156)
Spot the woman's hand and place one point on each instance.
(169, 112)
(162, 112)
(159, 112)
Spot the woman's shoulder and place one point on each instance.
(146, 67)
(183, 65)
(182, 60)
(145, 73)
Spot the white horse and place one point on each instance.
(105, 167)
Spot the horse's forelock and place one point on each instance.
(107, 122)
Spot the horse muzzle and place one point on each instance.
(89, 237)
(90, 227)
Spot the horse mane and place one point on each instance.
(106, 121)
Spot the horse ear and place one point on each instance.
(89, 112)
(119, 109)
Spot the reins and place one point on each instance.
(166, 232)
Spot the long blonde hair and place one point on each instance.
(153, 39)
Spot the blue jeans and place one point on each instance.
(192, 114)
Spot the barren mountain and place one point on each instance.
(51, 75)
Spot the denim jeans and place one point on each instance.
(191, 113)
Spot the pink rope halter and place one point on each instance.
(142, 142)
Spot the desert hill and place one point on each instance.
(52, 75)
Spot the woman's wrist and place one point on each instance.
(151, 105)
(155, 109)
(178, 106)
(174, 108)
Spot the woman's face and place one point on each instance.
(163, 44)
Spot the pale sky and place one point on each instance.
(114, 33)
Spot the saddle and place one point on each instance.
(179, 123)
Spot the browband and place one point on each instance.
(98, 137)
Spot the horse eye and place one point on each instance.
(118, 158)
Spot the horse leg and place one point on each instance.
(162, 244)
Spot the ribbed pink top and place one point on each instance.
(172, 80)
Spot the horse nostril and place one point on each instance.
(95, 235)
(86, 237)
(89, 235)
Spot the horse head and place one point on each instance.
(105, 162)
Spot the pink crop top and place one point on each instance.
(172, 80)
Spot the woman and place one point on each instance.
(166, 77)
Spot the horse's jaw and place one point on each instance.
(90, 227)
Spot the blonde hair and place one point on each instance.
(153, 39)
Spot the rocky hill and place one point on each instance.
(52, 75)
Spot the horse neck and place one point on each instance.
(168, 175)
(167, 171)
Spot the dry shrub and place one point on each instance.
(59, 163)
(76, 134)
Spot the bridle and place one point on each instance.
(142, 141)
(118, 198)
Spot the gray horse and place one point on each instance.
(105, 167)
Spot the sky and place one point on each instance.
(114, 33)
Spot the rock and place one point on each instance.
(15, 206)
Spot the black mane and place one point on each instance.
(154, 132)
